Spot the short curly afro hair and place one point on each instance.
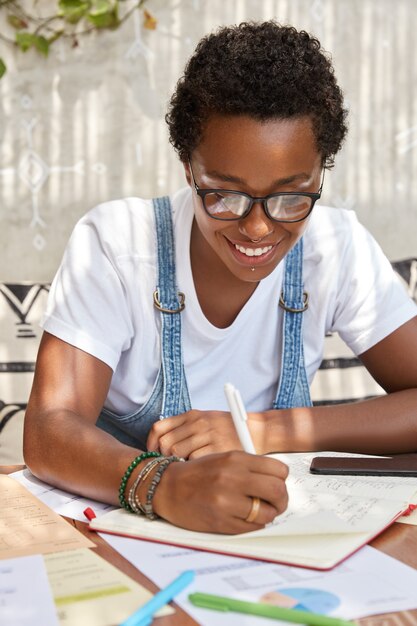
(263, 70)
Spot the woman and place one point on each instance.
(154, 308)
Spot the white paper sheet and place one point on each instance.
(25, 594)
(368, 583)
(62, 502)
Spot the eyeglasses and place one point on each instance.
(289, 206)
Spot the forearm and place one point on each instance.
(63, 449)
(385, 425)
(211, 494)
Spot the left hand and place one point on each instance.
(194, 434)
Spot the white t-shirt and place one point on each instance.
(101, 301)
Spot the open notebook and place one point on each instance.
(328, 518)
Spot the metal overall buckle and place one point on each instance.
(290, 309)
(158, 305)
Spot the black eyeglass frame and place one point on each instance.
(263, 199)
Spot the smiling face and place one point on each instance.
(259, 158)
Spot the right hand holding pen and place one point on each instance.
(216, 493)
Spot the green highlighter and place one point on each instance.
(222, 603)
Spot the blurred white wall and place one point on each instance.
(87, 123)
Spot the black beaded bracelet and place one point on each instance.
(122, 499)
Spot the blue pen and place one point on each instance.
(144, 615)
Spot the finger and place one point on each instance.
(161, 428)
(259, 512)
(244, 475)
(265, 465)
(209, 448)
(265, 515)
(229, 508)
(203, 451)
(173, 443)
(270, 489)
(274, 494)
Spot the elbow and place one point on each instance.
(33, 453)
(31, 457)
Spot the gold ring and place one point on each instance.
(253, 513)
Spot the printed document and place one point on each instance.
(25, 594)
(89, 590)
(27, 526)
(367, 583)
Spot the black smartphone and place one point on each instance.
(398, 465)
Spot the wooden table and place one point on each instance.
(399, 541)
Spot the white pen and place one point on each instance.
(239, 417)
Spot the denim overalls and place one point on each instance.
(170, 393)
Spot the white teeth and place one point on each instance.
(253, 251)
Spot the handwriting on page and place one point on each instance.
(324, 513)
(387, 487)
(27, 526)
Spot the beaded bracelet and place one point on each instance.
(145, 455)
(144, 472)
(147, 507)
(133, 500)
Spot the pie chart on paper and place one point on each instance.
(303, 599)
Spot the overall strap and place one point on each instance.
(293, 389)
(170, 303)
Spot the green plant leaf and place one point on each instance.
(25, 41)
(103, 15)
(100, 14)
(41, 44)
(101, 6)
(29, 40)
(3, 68)
(16, 22)
(73, 10)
